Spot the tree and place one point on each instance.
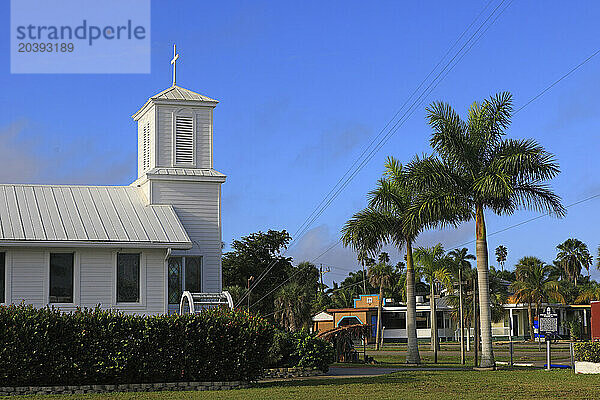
(253, 255)
(534, 286)
(460, 262)
(380, 276)
(501, 253)
(391, 218)
(589, 293)
(478, 169)
(573, 255)
(432, 266)
(292, 307)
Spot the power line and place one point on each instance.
(364, 151)
(432, 85)
(529, 220)
(558, 80)
(534, 98)
(308, 222)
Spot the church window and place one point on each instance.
(128, 278)
(61, 277)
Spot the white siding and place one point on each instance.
(29, 281)
(203, 135)
(28, 277)
(197, 204)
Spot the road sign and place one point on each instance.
(548, 323)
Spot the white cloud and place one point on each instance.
(27, 157)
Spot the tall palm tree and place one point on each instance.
(432, 266)
(501, 253)
(573, 255)
(460, 262)
(380, 276)
(478, 169)
(387, 220)
(390, 218)
(534, 285)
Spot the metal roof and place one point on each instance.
(179, 93)
(32, 215)
(186, 172)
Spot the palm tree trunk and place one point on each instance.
(433, 319)
(379, 303)
(412, 350)
(461, 318)
(487, 352)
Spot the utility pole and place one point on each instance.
(321, 272)
(249, 281)
(364, 277)
(321, 275)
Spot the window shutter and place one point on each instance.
(184, 140)
(146, 159)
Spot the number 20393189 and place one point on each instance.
(34, 47)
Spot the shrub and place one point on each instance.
(300, 349)
(313, 352)
(92, 346)
(587, 351)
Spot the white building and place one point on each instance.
(134, 248)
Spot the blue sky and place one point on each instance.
(302, 88)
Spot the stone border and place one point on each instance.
(129, 387)
(295, 372)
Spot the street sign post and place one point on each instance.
(548, 326)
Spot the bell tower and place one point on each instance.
(175, 167)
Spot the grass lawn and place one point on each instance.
(502, 384)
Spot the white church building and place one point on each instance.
(133, 248)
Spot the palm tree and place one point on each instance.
(501, 253)
(387, 219)
(590, 293)
(380, 275)
(293, 307)
(573, 255)
(479, 170)
(534, 285)
(432, 266)
(460, 262)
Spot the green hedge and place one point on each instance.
(300, 349)
(92, 346)
(587, 351)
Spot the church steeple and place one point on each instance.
(175, 129)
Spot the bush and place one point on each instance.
(587, 351)
(300, 349)
(47, 347)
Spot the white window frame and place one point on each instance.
(7, 277)
(142, 283)
(76, 277)
(183, 113)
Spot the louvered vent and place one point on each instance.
(184, 140)
(146, 159)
